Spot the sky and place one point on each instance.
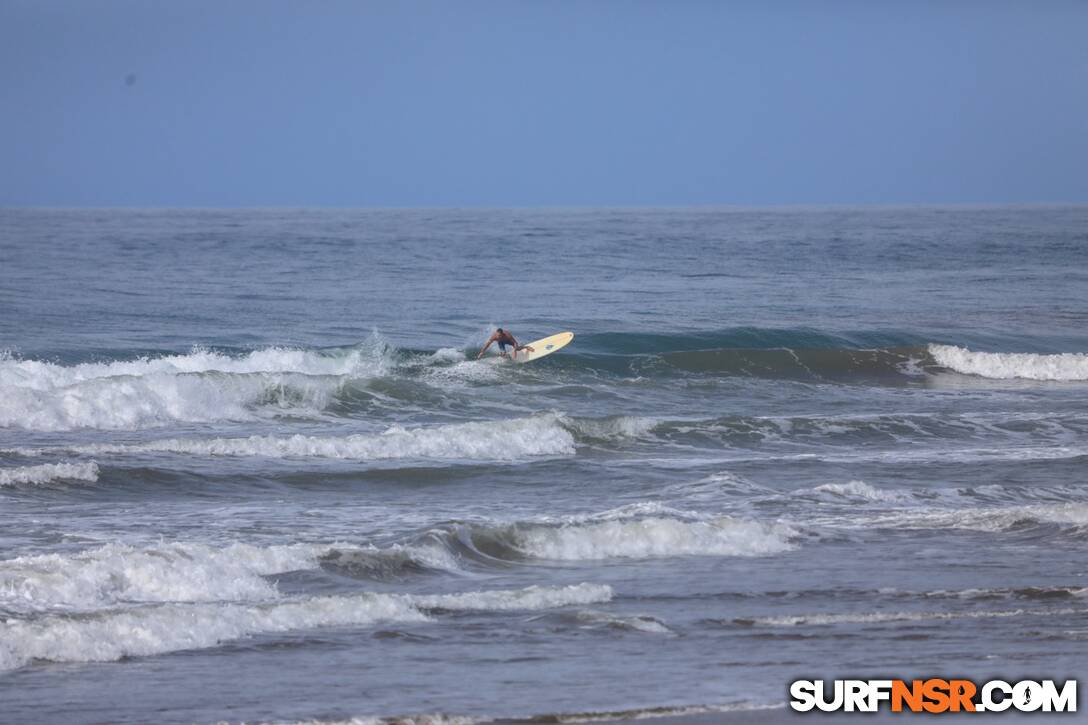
(587, 103)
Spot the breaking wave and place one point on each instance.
(167, 572)
(206, 386)
(558, 434)
(1073, 517)
(202, 386)
(1012, 365)
(157, 629)
(505, 440)
(635, 532)
(855, 490)
(48, 473)
(796, 620)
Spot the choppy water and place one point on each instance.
(250, 471)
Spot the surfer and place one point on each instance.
(504, 338)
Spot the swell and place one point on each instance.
(48, 473)
(905, 437)
(209, 386)
(171, 572)
(508, 440)
(168, 627)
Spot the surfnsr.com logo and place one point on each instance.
(933, 696)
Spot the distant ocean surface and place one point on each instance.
(250, 469)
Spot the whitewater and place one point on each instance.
(268, 481)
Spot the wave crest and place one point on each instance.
(171, 627)
(48, 473)
(199, 387)
(1069, 366)
(623, 534)
(503, 440)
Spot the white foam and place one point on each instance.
(921, 455)
(530, 598)
(857, 490)
(167, 572)
(1010, 365)
(465, 372)
(503, 440)
(635, 510)
(369, 359)
(653, 537)
(49, 472)
(614, 428)
(199, 387)
(447, 354)
(172, 627)
(1000, 518)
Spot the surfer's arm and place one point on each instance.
(484, 348)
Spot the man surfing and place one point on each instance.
(504, 338)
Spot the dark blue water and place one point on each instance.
(250, 469)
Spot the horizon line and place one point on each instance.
(544, 207)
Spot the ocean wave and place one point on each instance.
(369, 359)
(1072, 518)
(748, 338)
(928, 455)
(1068, 366)
(623, 537)
(612, 428)
(888, 366)
(200, 387)
(504, 440)
(392, 563)
(167, 572)
(194, 572)
(590, 619)
(855, 490)
(48, 473)
(797, 620)
(149, 630)
(1030, 593)
(748, 431)
(653, 537)
(208, 386)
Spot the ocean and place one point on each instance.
(250, 470)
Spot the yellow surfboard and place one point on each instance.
(544, 346)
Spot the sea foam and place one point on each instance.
(172, 627)
(795, 620)
(166, 572)
(501, 440)
(1010, 365)
(48, 473)
(199, 387)
(647, 538)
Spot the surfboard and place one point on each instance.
(545, 346)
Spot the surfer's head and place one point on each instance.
(498, 329)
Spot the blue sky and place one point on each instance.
(541, 103)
